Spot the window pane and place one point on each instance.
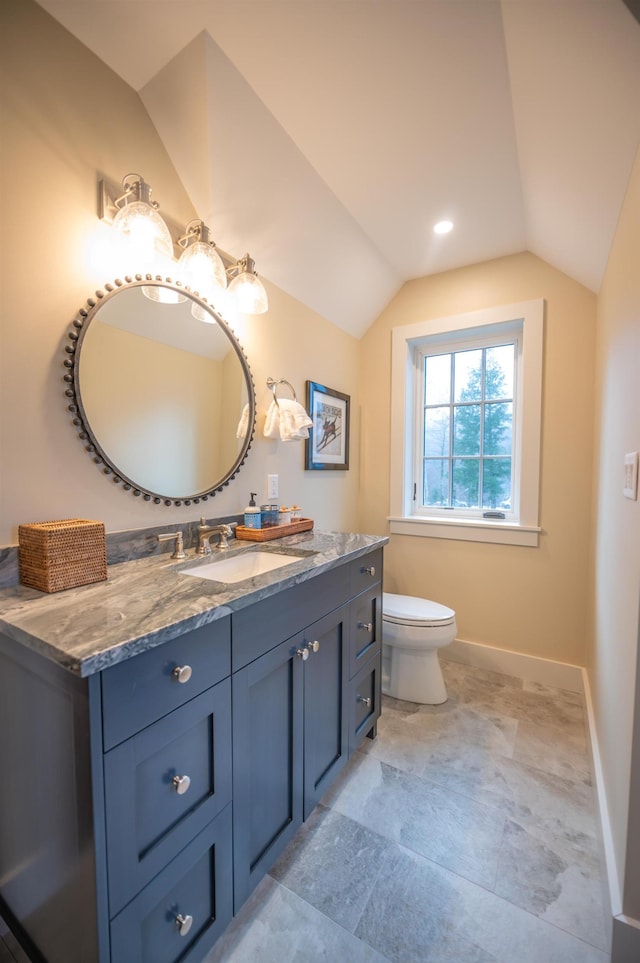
(436, 431)
(468, 375)
(466, 430)
(496, 484)
(435, 487)
(437, 379)
(498, 428)
(499, 372)
(466, 487)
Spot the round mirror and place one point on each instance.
(160, 391)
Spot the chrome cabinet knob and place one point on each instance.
(182, 673)
(181, 784)
(303, 653)
(370, 571)
(367, 702)
(366, 625)
(314, 646)
(184, 924)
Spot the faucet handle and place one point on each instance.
(178, 551)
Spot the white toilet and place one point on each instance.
(413, 629)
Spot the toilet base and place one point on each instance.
(413, 676)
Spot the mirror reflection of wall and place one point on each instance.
(162, 392)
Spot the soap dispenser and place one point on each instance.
(252, 514)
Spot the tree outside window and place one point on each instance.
(468, 428)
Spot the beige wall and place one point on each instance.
(531, 600)
(68, 120)
(615, 576)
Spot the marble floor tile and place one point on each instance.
(564, 892)
(419, 911)
(333, 863)
(276, 926)
(445, 826)
(554, 748)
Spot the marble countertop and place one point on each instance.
(148, 601)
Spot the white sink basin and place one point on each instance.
(241, 567)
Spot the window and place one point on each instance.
(466, 408)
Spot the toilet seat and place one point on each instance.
(409, 610)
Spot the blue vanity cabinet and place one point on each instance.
(102, 859)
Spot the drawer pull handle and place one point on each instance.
(314, 646)
(183, 923)
(367, 702)
(181, 784)
(366, 625)
(182, 673)
(303, 653)
(370, 571)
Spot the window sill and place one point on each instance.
(465, 530)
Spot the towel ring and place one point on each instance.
(273, 385)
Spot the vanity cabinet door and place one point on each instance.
(366, 628)
(365, 696)
(267, 698)
(326, 672)
(181, 913)
(163, 786)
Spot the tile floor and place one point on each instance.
(465, 833)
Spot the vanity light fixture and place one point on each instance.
(246, 287)
(137, 220)
(201, 267)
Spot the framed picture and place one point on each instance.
(328, 443)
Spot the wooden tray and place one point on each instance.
(274, 531)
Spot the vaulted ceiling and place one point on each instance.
(328, 136)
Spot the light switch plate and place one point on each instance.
(272, 486)
(631, 475)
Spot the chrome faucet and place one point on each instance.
(204, 537)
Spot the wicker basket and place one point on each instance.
(274, 531)
(60, 555)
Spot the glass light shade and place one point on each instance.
(202, 315)
(249, 294)
(166, 268)
(146, 235)
(202, 268)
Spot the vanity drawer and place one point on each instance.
(366, 571)
(146, 687)
(366, 628)
(150, 815)
(196, 885)
(364, 702)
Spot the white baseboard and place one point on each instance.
(529, 667)
(615, 896)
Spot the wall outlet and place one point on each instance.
(272, 486)
(630, 489)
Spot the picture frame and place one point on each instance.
(327, 448)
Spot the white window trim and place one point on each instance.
(402, 522)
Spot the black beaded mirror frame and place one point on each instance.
(75, 337)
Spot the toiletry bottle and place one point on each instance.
(252, 514)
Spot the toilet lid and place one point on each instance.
(409, 610)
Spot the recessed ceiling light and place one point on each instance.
(443, 227)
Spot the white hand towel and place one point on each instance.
(294, 421)
(272, 422)
(287, 420)
(243, 424)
